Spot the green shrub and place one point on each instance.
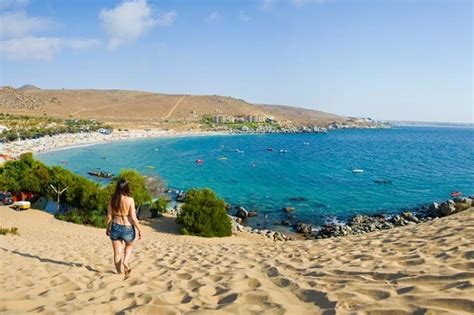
(93, 218)
(203, 214)
(5, 231)
(159, 206)
(137, 185)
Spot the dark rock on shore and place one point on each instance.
(252, 214)
(303, 228)
(361, 224)
(242, 213)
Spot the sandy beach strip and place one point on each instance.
(60, 267)
(68, 141)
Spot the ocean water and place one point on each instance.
(423, 164)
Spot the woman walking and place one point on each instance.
(122, 226)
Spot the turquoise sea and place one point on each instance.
(423, 164)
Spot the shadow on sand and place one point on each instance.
(48, 260)
(165, 224)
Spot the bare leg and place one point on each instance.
(118, 259)
(126, 257)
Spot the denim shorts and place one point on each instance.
(122, 232)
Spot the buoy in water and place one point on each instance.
(199, 161)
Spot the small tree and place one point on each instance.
(137, 185)
(159, 206)
(203, 214)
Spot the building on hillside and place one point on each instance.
(269, 119)
(254, 118)
(223, 119)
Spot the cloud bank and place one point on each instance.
(131, 19)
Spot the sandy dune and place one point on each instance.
(55, 266)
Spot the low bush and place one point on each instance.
(159, 206)
(93, 218)
(203, 214)
(5, 231)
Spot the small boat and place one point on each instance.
(306, 143)
(283, 151)
(383, 181)
(101, 174)
(456, 194)
(222, 158)
(269, 149)
(63, 162)
(199, 161)
(150, 166)
(357, 170)
(239, 151)
(157, 149)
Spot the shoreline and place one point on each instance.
(12, 150)
(77, 140)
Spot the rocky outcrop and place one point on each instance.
(303, 228)
(361, 224)
(242, 213)
(270, 234)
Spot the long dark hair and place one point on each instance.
(121, 189)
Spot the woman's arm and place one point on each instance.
(108, 219)
(133, 218)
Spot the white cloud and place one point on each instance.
(8, 4)
(214, 16)
(41, 48)
(244, 16)
(79, 43)
(19, 37)
(18, 24)
(131, 19)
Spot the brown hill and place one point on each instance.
(28, 87)
(143, 109)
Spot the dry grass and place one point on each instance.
(143, 109)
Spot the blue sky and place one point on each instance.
(393, 59)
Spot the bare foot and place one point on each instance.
(128, 270)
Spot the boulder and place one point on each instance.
(252, 214)
(289, 209)
(448, 209)
(242, 213)
(303, 228)
(434, 210)
(409, 216)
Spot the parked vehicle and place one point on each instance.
(6, 198)
(21, 205)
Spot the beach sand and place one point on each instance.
(55, 266)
